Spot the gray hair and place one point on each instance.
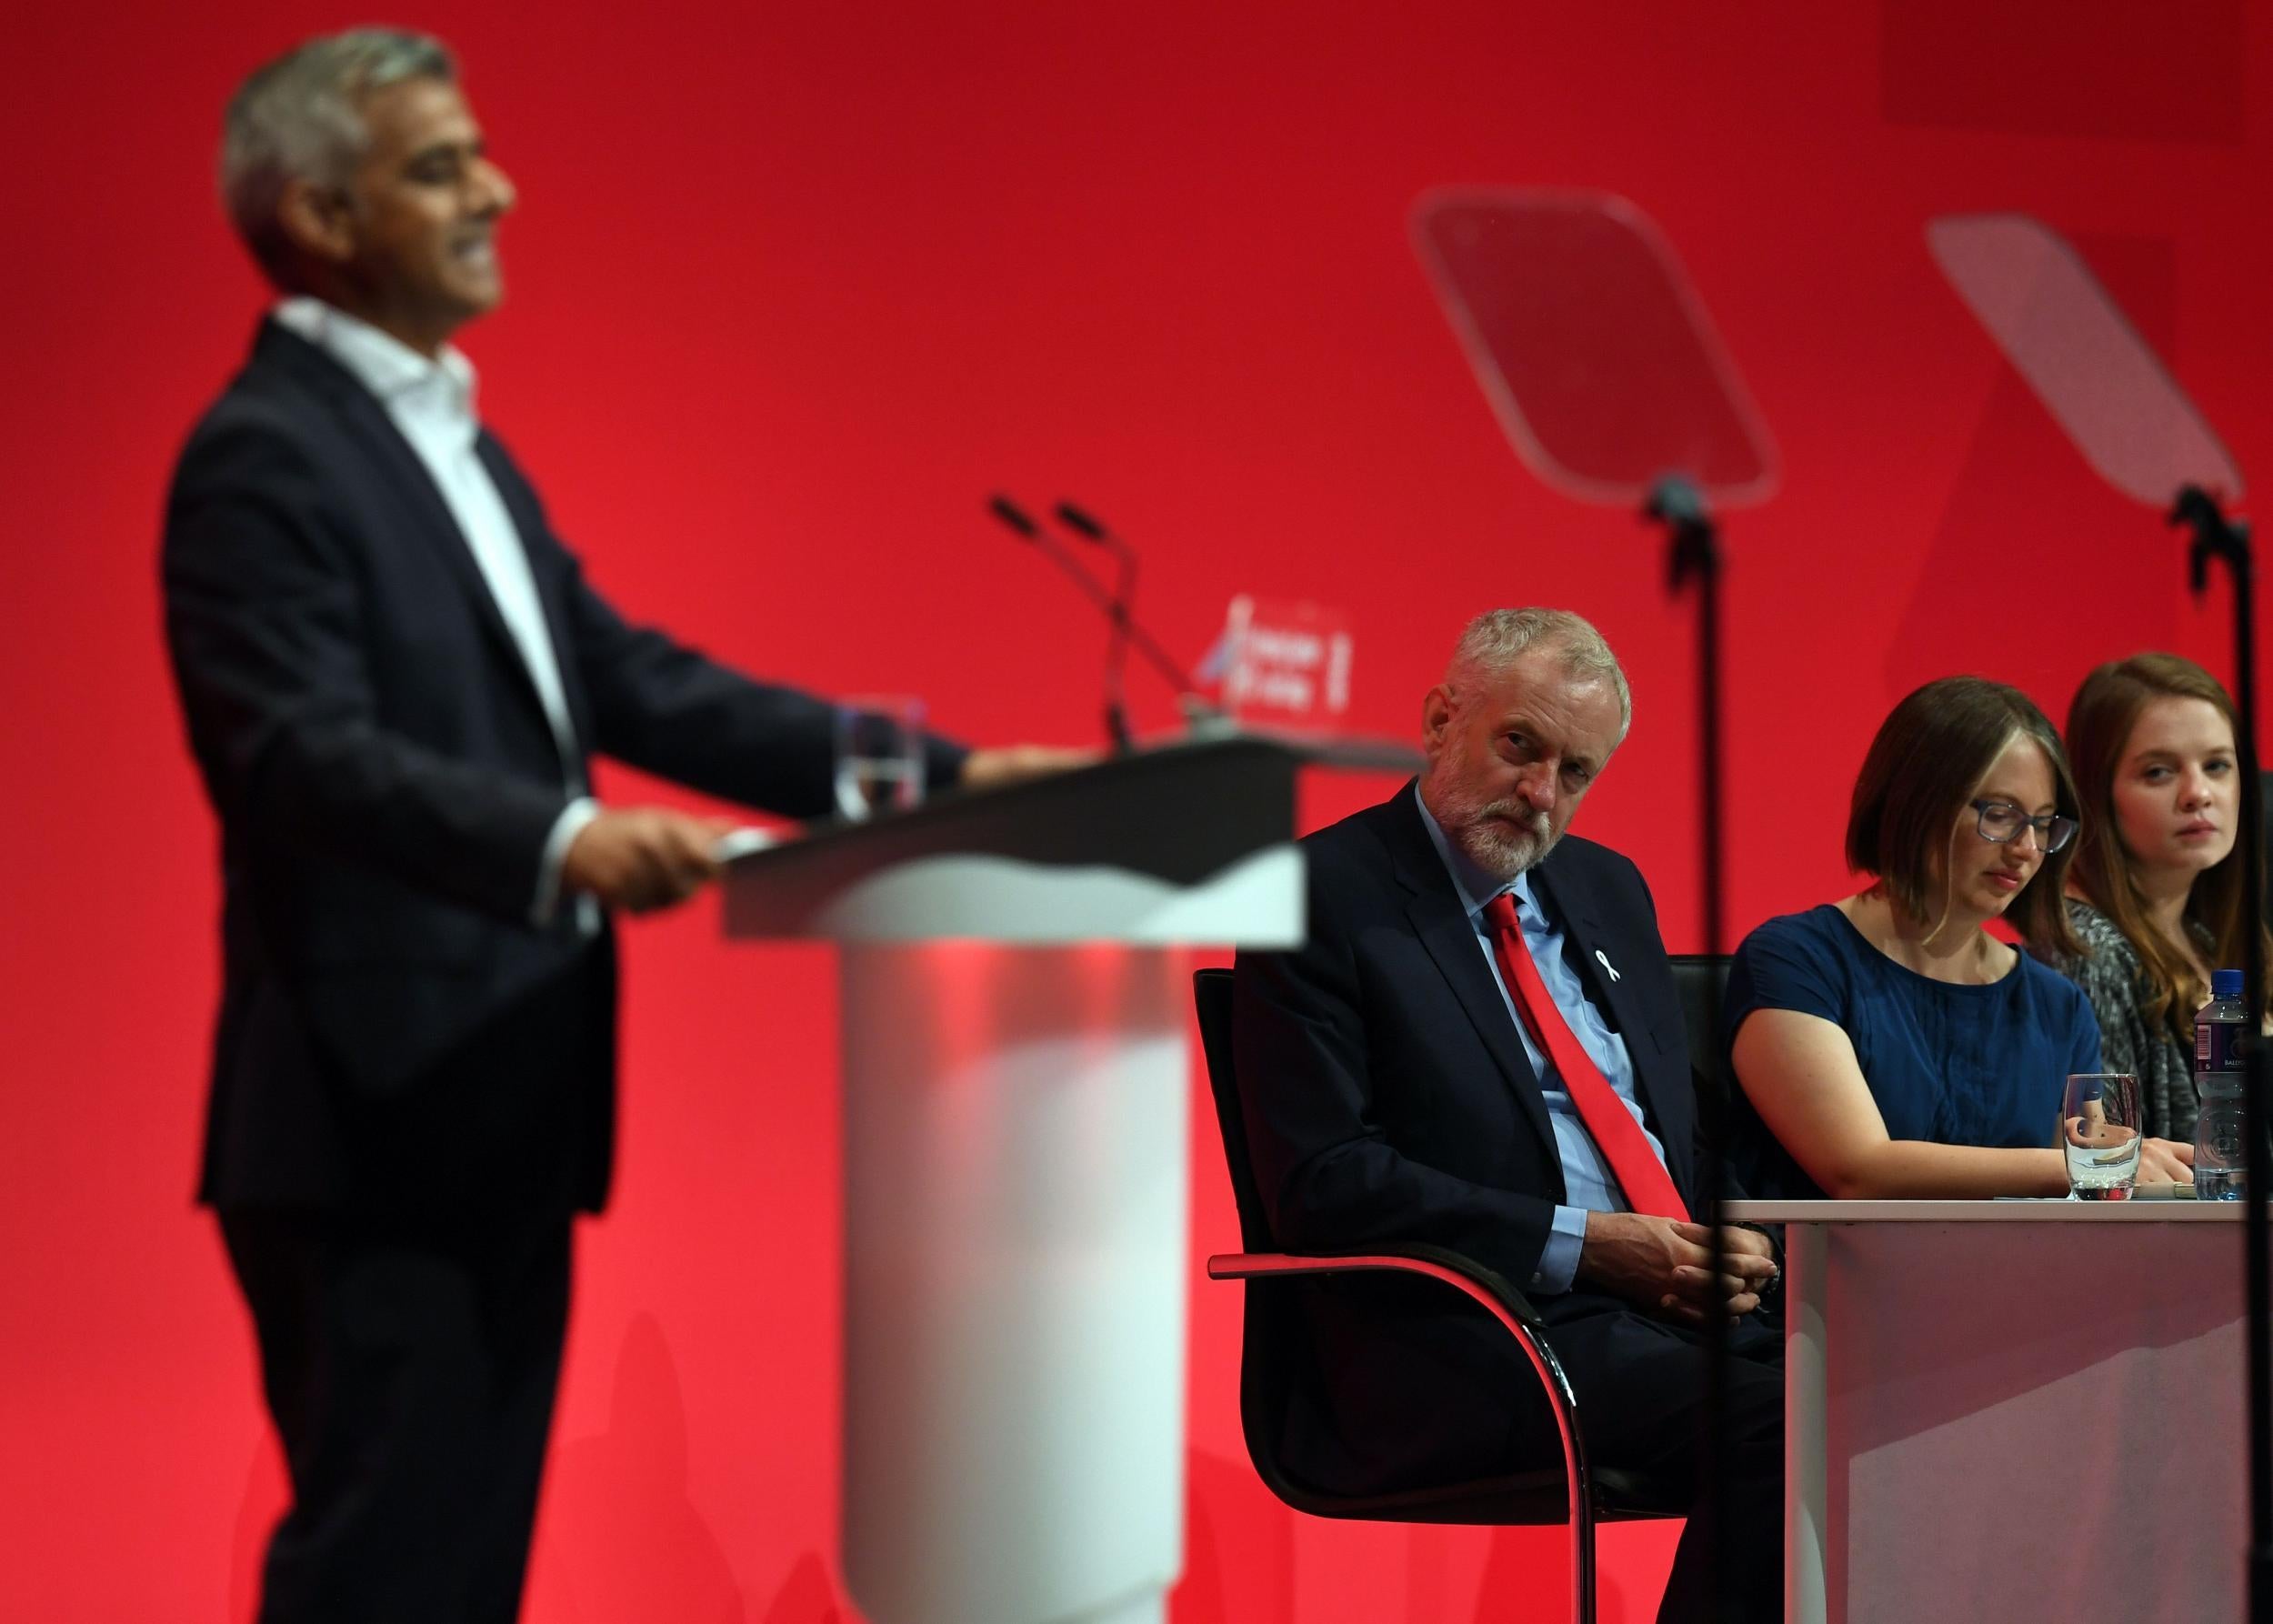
(300, 118)
(1494, 639)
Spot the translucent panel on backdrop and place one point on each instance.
(1592, 344)
(2062, 332)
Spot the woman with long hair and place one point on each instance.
(1887, 1044)
(2155, 895)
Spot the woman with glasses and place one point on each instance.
(2155, 894)
(1887, 1044)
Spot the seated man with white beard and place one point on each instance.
(1481, 1048)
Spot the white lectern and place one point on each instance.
(1014, 1081)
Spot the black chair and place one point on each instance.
(1700, 978)
(1573, 1493)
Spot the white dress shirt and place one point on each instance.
(431, 402)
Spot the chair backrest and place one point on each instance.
(1274, 1361)
(1700, 978)
(1211, 998)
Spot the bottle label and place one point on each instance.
(2219, 1045)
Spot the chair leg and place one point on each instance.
(1582, 1586)
(1575, 1470)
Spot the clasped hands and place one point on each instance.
(1664, 1266)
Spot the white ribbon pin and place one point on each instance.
(1603, 959)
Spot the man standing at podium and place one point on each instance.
(1481, 1048)
(395, 676)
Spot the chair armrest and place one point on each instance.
(1492, 1293)
(1457, 1269)
(1486, 1287)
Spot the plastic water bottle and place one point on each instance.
(2221, 1156)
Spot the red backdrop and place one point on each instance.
(791, 289)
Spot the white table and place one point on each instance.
(2012, 1410)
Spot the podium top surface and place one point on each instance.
(1030, 808)
(1187, 843)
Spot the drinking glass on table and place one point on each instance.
(880, 757)
(2101, 1130)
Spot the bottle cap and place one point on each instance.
(2225, 984)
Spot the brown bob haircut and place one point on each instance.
(1924, 766)
(2099, 723)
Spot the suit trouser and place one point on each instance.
(410, 1369)
(1640, 1386)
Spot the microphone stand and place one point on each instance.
(1018, 520)
(1122, 615)
(1694, 555)
(2227, 541)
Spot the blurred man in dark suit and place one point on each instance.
(395, 676)
(1481, 1049)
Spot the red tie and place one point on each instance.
(1648, 1186)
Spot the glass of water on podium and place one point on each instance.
(2101, 1131)
(880, 757)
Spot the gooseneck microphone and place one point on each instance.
(1141, 640)
(1021, 522)
(1114, 605)
(1124, 601)
(1075, 518)
(1013, 516)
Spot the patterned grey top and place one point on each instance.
(2108, 973)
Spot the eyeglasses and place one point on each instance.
(2000, 821)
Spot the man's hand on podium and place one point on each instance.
(1009, 764)
(643, 858)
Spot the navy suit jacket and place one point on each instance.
(1387, 1098)
(394, 1032)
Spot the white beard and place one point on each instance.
(1492, 846)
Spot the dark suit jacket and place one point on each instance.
(394, 1032)
(1387, 1098)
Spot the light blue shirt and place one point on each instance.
(1588, 1185)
